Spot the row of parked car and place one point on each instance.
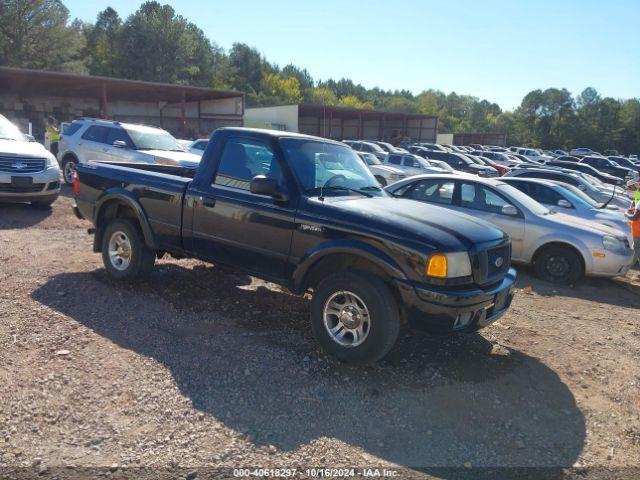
(575, 202)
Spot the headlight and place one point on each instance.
(612, 244)
(52, 162)
(448, 265)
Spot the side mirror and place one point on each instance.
(30, 138)
(261, 185)
(582, 187)
(510, 210)
(564, 203)
(120, 144)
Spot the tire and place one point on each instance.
(557, 264)
(121, 237)
(381, 181)
(381, 330)
(68, 168)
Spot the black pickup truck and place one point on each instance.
(306, 213)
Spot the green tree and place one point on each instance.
(278, 90)
(352, 101)
(321, 96)
(158, 45)
(102, 43)
(37, 34)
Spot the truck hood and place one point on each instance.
(26, 149)
(436, 227)
(180, 158)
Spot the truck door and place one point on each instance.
(233, 226)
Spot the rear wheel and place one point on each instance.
(69, 169)
(557, 264)
(124, 252)
(354, 317)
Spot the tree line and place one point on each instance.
(155, 44)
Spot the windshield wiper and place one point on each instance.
(9, 138)
(336, 187)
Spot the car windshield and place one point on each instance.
(149, 138)
(370, 159)
(8, 131)
(578, 196)
(324, 168)
(523, 199)
(442, 165)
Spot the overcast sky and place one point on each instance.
(498, 50)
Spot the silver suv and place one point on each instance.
(110, 141)
(28, 172)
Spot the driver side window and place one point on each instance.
(479, 197)
(243, 159)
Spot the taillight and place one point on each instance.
(76, 184)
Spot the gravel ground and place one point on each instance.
(200, 367)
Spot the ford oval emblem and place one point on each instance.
(19, 165)
(499, 261)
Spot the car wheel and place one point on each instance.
(381, 181)
(354, 317)
(68, 170)
(124, 252)
(561, 265)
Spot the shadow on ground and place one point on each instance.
(244, 355)
(21, 215)
(618, 291)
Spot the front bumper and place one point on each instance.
(611, 265)
(438, 310)
(33, 186)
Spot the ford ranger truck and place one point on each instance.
(306, 213)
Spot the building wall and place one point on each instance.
(284, 117)
(373, 129)
(200, 120)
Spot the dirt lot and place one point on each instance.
(202, 367)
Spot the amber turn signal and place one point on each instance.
(437, 266)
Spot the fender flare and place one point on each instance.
(127, 198)
(343, 246)
(572, 242)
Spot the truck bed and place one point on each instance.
(158, 189)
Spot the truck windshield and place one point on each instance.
(148, 138)
(8, 131)
(322, 165)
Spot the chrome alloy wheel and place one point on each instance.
(119, 250)
(346, 318)
(68, 171)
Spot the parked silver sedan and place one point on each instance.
(561, 248)
(571, 201)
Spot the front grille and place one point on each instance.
(498, 260)
(8, 188)
(21, 164)
(491, 263)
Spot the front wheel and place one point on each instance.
(124, 252)
(354, 317)
(559, 264)
(68, 170)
